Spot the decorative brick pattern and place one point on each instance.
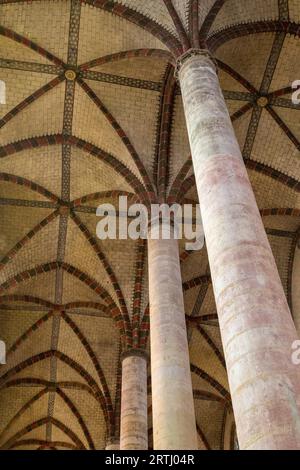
(178, 24)
(140, 20)
(121, 134)
(71, 363)
(30, 66)
(138, 292)
(157, 53)
(210, 18)
(28, 43)
(164, 134)
(222, 36)
(29, 184)
(217, 386)
(136, 22)
(36, 424)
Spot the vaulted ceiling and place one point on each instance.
(93, 111)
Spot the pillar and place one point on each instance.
(134, 406)
(174, 426)
(113, 444)
(255, 322)
(296, 288)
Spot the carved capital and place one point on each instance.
(134, 352)
(113, 441)
(191, 53)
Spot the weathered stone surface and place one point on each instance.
(255, 321)
(172, 398)
(134, 428)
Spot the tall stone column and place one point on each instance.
(173, 416)
(134, 406)
(113, 444)
(256, 324)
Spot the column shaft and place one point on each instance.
(172, 397)
(256, 325)
(113, 445)
(134, 406)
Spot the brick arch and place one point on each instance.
(210, 18)
(56, 139)
(196, 281)
(140, 20)
(115, 8)
(69, 404)
(203, 437)
(84, 342)
(108, 268)
(280, 212)
(31, 99)
(31, 45)
(36, 300)
(185, 186)
(262, 168)
(184, 39)
(137, 291)
(212, 345)
(145, 327)
(113, 194)
(46, 447)
(240, 112)
(123, 55)
(26, 299)
(19, 180)
(176, 186)
(41, 422)
(255, 27)
(163, 141)
(202, 318)
(101, 398)
(47, 384)
(274, 174)
(122, 135)
(93, 305)
(281, 92)
(43, 443)
(41, 269)
(236, 76)
(193, 26)
(283, 127)
(22, 410)
(34, 327)
(8, 257)
(214, 383)
(83, 277)
(204, 395)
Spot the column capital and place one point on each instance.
(113, 443)
(191, 53)
(135, 352)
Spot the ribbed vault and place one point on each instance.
(93, 111)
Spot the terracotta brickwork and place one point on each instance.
(96, 109)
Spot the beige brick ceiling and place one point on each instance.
(60, 288)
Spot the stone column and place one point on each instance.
(174, 426)
(256, 324)
(134, 406)
(296, 288)
(113, 444)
